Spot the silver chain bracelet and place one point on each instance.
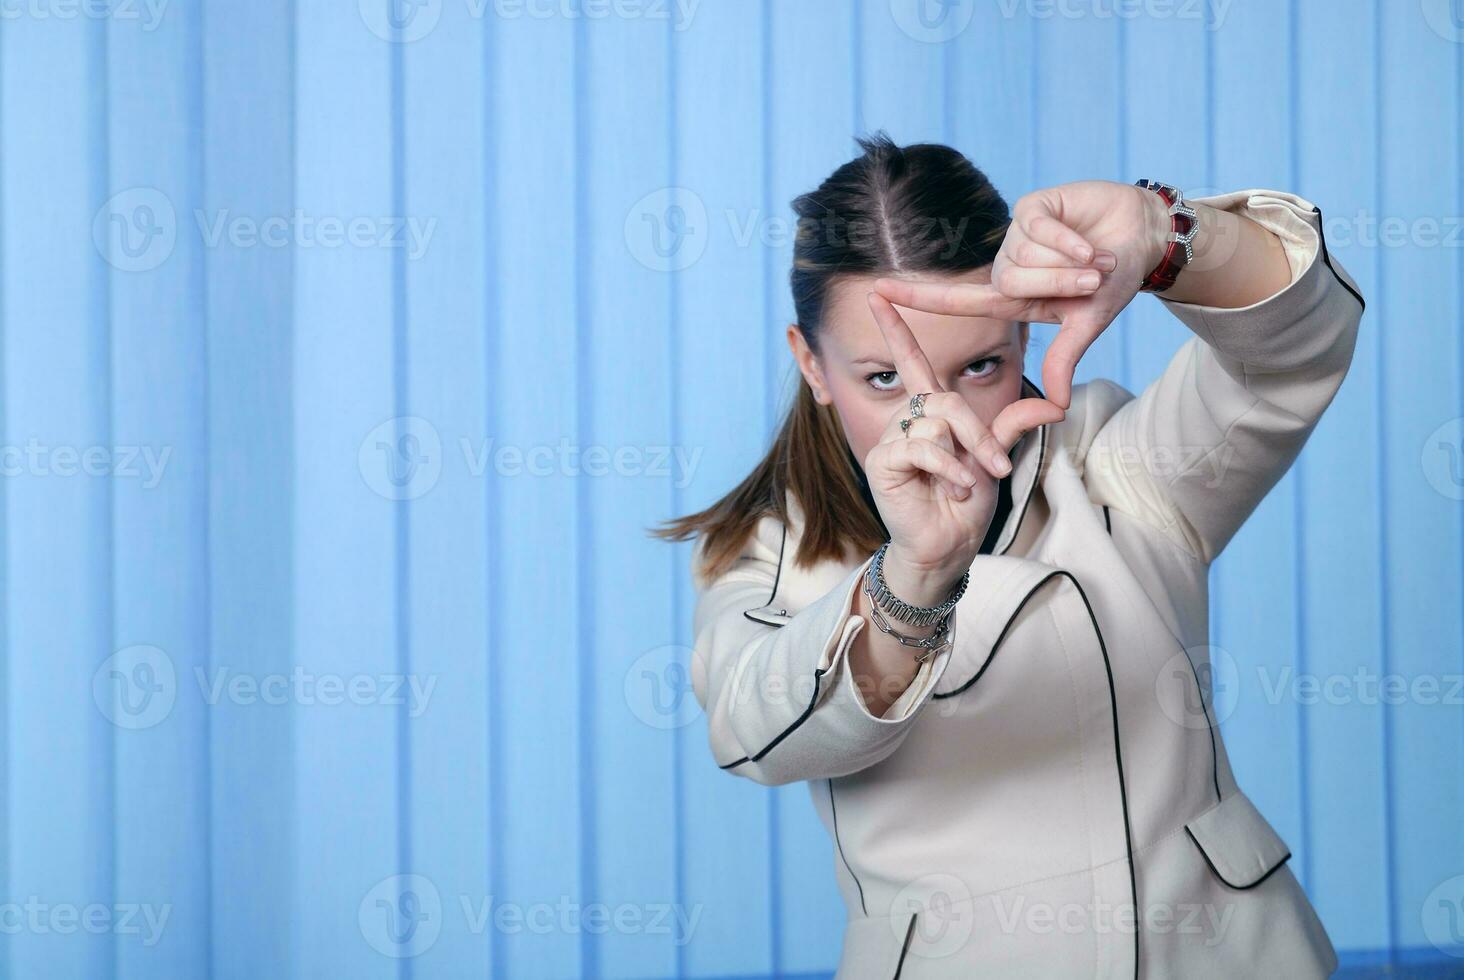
(931, 645)
(896, 607)
(885, 605)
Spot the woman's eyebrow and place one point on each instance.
(881, 361)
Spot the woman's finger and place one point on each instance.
(955, 299)
(1044, 229)
(910, 361)
(1060, 364)
(1017, 282)
(938, 431)
(972, 433)
(1021, 417)
(925, 427)
(1029, 254)
(921, 455)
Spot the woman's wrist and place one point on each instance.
(1236, 262)
(917, 583)
(1157, 226)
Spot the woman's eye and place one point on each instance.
(995, 363)
(883, 380)
(890, 380)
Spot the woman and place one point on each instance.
(973, 616)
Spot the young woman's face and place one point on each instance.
(978, 357)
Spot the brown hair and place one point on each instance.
(912, 209)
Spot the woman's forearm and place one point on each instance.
(1237, 262)
(883, 666)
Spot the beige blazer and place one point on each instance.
(1049, 797)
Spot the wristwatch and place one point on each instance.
(1180, 251)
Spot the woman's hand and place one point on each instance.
(936, 487)
(1073, 255)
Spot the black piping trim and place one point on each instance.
(777, 577)
(1209, 723)
(909, 933)
(1128, 831)
(817, 676)
(1002, 636)
(1327, 258)
(1107, 521)
(1036, 475)
(840, 844)
(1239, 888)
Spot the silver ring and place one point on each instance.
(905, 426)
(917, 405)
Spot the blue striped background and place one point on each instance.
(560, 760)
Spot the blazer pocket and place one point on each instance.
(1237, 843)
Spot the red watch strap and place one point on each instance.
(1176, 255)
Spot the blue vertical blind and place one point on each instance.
(349, 348)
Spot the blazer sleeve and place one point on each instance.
(1196, 452)
(780, 701)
